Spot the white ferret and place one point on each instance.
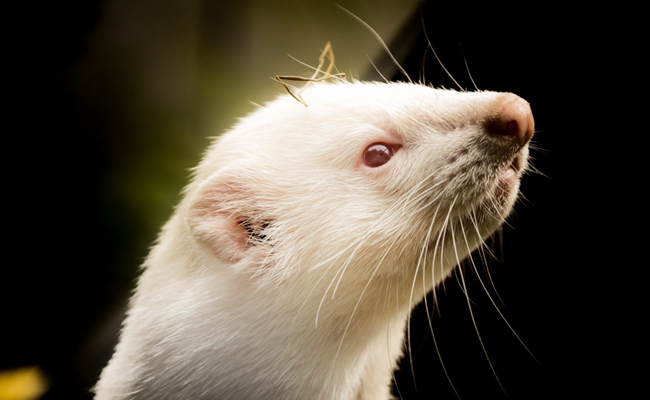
(307, 236)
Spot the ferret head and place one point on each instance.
(375, 176)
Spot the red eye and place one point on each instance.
(378, 154)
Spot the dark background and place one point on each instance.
(564, 279)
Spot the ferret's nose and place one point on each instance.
(514, 120)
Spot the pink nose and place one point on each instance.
(514, 121)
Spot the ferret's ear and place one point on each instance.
(220, 217)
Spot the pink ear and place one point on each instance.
(215, 219)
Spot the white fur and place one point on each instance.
(315, 306)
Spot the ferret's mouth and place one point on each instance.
(516, 163)
(510, 174)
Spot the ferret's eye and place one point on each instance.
(378, 154)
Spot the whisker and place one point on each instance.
(356, 306)
(483, 248)
(471, 312)
(491, 299)
(426, 36)
(428, 311)
(422, 69)
(468, 71)
(390, 360)
(421, 258)
(381, 41)
(377, 69)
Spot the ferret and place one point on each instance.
(308, 234)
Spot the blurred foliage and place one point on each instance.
(27, 383)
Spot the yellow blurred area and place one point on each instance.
(26, 383)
